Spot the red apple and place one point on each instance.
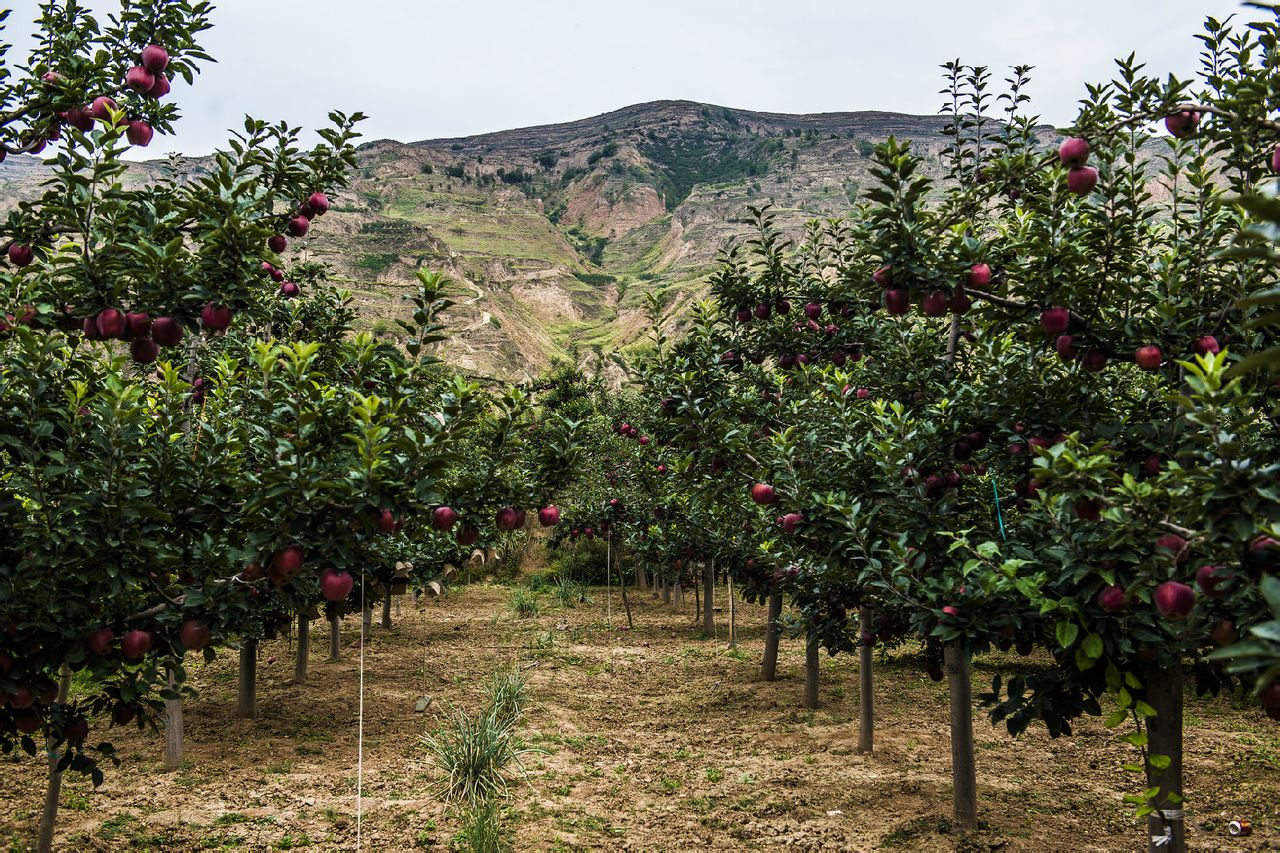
(111, 323)
(1074, 152)
(1275, 159)
(215, 318)
(1148, 357)
(20, 255)
(443, 517)
(1173, 544)
(862, 393)
(762, 311)
(76, 730)
(155, 58)
(897, 301)
(1174, 600)
(134, 644)
(1206, 344)
(99, 642)
(194, 634)
(139, 133)
(1094, 360)
(335, 585)
(166, 331)
(1270, 696)
(386, 521)
(743, 315)
(1224, 633)
(1088, 509)
(78, 118)
(318, 204)
(22, 698)
(28, 722)
(763, 493)
(1112, 599)
(298, 226)
(137, 324)
(813, 310)
(883, 276)
(1182, 124)
(1065, 347)
(549, 516)
(277, 243)
(1082, 180)
(289, 290)
(979, 275)
(791, 521)
(99, 109)
(140, 79)
(160, 89)
(287, 561)
(144, 350)
(935, 304)
(1211, 579)
(507, 518)
(467, 535)
(951, 611)
(1055, 320)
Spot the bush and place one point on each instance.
(584, 563)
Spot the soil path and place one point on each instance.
(653, 739)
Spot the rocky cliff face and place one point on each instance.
(555, 234)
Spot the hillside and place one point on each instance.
(554, 234)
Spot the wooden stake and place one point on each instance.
(769, 666)
(1165, 827)
(303, 651)
(866, 698)
(172, 727)
(963, 770)
(811, 671)
(247, 700)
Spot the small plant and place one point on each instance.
(480, 756)
(570, 592)
(507, 695)
(524, 603)
(481, 833)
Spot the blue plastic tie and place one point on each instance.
(999, 516)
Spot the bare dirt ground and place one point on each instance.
(653, 739)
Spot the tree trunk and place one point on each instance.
(622, 585)
(247, 704)
(678, 599)
(963, 771)
(49, 817)
(733, 615)
(368, 621)
(1165, 828)
(866, 696)
(303, 650)
(335, 638)
(666, 593)
(708, 598)
(769, 666)
(640, 580)
(811, 671)
(386, 612)
(172, 728)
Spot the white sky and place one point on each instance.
(422, 69)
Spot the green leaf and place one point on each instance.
(1067, 633)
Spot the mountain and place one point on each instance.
(555, 234)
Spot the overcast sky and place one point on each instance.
(422, 69)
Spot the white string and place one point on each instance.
(360, 732)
